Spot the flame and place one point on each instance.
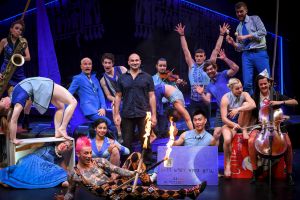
(170, 142)
(147, 129)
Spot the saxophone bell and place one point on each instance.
(17, 59)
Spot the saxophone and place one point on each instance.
(15, 61)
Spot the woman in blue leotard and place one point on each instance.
(105, 147)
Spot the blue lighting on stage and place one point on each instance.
(193, 5)
(27, 12)
(281, 64)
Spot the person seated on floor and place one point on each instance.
(44, 168)
(235, 107)
(93, 173)
(104, 147)
(175, 97)
(41, 91)
(262, 97)
(198, 136)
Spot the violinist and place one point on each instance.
(165, 76)
(261, 95)
(161, 77)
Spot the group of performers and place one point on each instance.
(133, 92)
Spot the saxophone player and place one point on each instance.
(8, 46)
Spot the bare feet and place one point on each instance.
(65, 184)
(227, 170)
(16, 141)
(62, 133)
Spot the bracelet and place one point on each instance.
(221, 34)
(181, 35)
(283, 102)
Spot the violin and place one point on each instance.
(169, 76)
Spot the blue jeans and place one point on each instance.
(253, 60)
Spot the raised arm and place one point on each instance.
(233, 67)
(187, 54)
(214, 54)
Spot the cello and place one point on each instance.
(270, 141)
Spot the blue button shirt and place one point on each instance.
(255, 27)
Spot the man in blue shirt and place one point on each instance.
(198, 136)
(91, 97)
(251, 40)
(218, 86)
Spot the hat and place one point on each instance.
(265, 73)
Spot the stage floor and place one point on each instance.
(227, 189)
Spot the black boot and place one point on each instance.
(254, 177)
(290, 180)
(25, 123)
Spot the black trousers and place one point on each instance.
(128, 127)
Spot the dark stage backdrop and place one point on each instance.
(91, 27)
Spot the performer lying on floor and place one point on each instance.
(175, 97)
(39, 169)
(94, 175)
(41, 91)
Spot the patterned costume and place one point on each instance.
(98, 182)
